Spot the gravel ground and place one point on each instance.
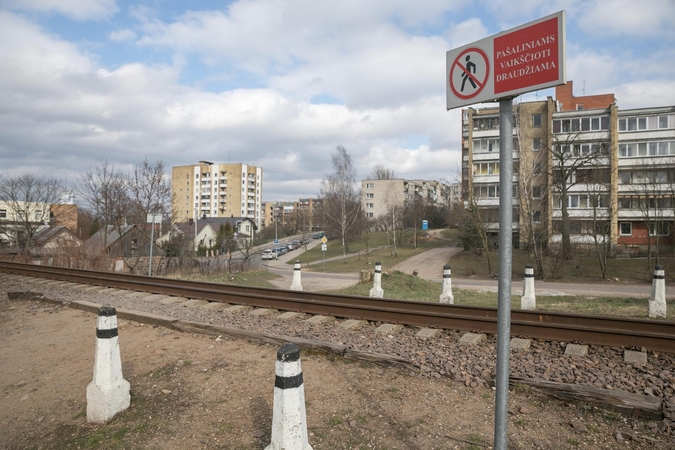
(439, 357)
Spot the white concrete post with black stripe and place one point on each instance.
(528, 301)
(289, 419)
(376, 290)
(657, 301)
(108, 393)
(446, 292)
(296, 284)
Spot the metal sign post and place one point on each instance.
(523, 59)
(151, 219)
(505, 266)
(324, 247)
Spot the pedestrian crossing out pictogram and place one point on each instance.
(469, 73)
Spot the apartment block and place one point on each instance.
(217, 190)
(377, 196)
(304, 215)
(611, 172)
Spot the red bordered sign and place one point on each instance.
(469, 73)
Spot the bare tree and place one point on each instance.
(379, 172)
(28, 199)
(475, 230)
(415, 210)
(150, 192)
(393, 201)
(601, 230)
(105, 189)
(569, 157)
(341, 201)
(651, 193)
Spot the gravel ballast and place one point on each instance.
(440, 356)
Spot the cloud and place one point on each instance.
(628, 18)
(463, 33)
(74, 9)
(124, 35)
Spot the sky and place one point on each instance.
(281, 83)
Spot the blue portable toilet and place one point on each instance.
(425, 225)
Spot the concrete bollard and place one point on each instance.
(296, 284)
(657, 301)
(376, 290)
(108, 393)
(446, 293)
(289, 419)
(528, 301)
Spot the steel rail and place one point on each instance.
(612, 331)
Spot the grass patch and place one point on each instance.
(254, 279)
(399, 285)
(335, 421)
(581, 268)
(573, 304)
(379, 249)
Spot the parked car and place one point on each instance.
(269, 254)
(318, 235)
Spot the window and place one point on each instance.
(658, 229)
(536, 120)
(370, 195)
(536, 169)
(641, 149)
(3, 213)
(536, 191)
(580, 106)
(370, 205)
(536, 144)
(645, 123)
(536, 216)
(624, 203)
(369, 215)
(486, 191)
(485, 145)
(486, 169)
(370, 185)
(582, 124)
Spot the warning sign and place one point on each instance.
(469, 73)
(526, 57)
(523, 59)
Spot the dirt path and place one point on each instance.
(429, 264)
(198, 392)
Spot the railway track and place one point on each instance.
(612, 331)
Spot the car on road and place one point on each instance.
(269, 254)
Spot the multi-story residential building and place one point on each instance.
(455, 197)
(304, 215)
(607, 173)
(377, 196)
(217, 190)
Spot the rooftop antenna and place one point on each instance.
(583, 89)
